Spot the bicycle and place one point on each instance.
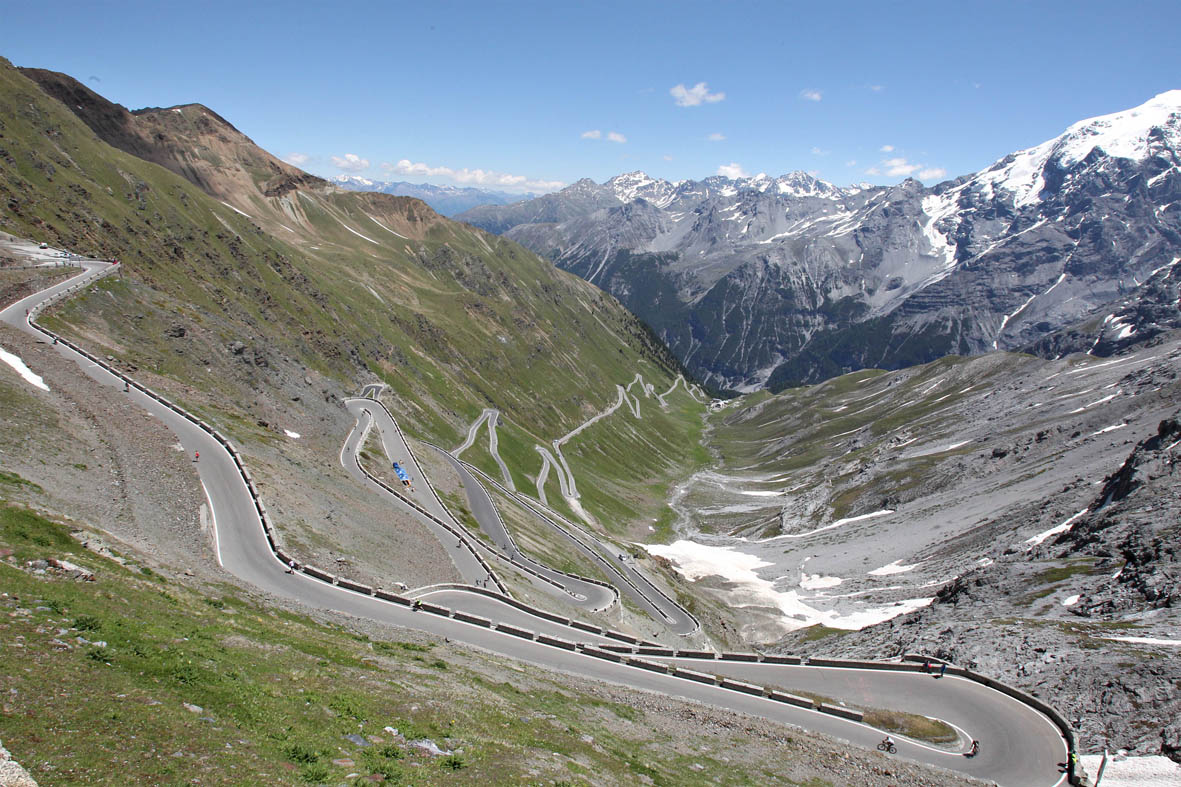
(888, 746)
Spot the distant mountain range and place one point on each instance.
(772, 282)
(446, 200)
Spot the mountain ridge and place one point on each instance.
(445, 200)
(769, 282)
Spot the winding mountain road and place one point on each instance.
(1020, 746)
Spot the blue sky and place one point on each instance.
(529, 96)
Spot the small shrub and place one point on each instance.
(87, 623)
(298, 752)
(314, 773)
(452, 763)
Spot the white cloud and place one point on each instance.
(851, 162)
(900, 166)
(351, 162)
(298, 159)
(694, 96)
(479, 177)
(732, 170)
(717, 136)
(877, 88)
(817, 151)
(811, 95)
(611, 136)
(667, 157)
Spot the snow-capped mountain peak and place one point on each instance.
(1123, 134)
(638, 185)
(774, 280)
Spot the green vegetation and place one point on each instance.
(820, 631)
(912, 725)
(232, 692)
(450, 317)
(12, 479)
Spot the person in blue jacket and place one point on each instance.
(403, 476)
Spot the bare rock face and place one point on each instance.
(1100, 650)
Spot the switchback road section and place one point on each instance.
(1020, 746)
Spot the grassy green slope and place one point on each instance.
(801, 436)
(216, 689)
(451, 317)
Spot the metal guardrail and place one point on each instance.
(517, 549)
(1027, 699)
(551, 516)
(461, 534)
(775, 695)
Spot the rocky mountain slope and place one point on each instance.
(278, 247)
(261, 297)
(444, 200)
(774, 281)
(1009, 513)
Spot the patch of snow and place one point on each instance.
(695, 561)
(24, 371)
(818, 582)
(836, 524)
(894, 568)
(1089, 367)
(1125, 329)
(1062, 528)
(231, 207)
(936, 208)
(1172, 643)
(758, 493)
(387, 229)
(1107, 398)
(1107, 429)
(1070, 601)
(291, 434)
(1122, 771)
(1010, 316)
(359, 235)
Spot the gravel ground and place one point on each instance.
(99, 459)
(11, 772)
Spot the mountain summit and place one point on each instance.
(767, 281)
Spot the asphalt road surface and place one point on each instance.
(1019, 747)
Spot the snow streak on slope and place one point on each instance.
(24, 371)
